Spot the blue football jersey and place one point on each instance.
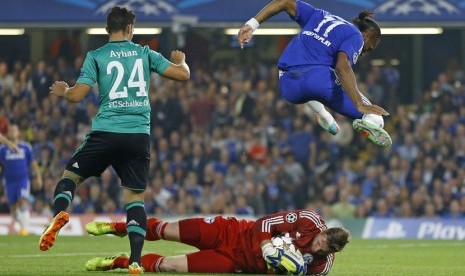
(16, 164)
(321, 38)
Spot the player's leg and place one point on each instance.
(309, 88)
(131, 160)
(155, 228)
(323, 117)
(136, 223)
(22, 207)
(369, 125)
(203, 233)
(119, 260)
(17, 195)
(22, 214)
(204, 261)
(88, 160)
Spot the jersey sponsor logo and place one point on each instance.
(291, 217)
(316, 36)
(124, 104)
(209, 220)
(10, 155)
(120, 54)
(75, 165)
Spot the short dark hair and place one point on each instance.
(119, 18)
(337, 238)
(365, 21)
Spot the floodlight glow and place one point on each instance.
(410, 31)
(11, 31)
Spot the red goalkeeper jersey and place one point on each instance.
(301, 225)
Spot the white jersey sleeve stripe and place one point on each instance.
(314, 218)
(266, 224)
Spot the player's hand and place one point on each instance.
(245, 35)
(177, 57)
(273, 257)
(372, 109)
(59, 88)
(293, 262)
(12, 146)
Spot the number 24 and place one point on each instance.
(141, 83)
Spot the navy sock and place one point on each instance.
(136, 224)
(64, 194)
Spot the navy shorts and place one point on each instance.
(16, 190)
(128, 153)
(318, 83)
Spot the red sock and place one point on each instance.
(120, 227)
(155, 229)
(121, 262)
(151, 262)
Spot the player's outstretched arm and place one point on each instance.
(12, 146)
(275, 7)
(349, 83)
(71, 94)
(178, 70)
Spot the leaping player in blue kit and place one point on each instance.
(315, 69)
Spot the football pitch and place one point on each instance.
(21, 256)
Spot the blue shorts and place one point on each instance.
(16, 190)
(317, 83)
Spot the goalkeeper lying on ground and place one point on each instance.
(295, 242)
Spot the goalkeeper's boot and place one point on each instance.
(374, 133)
(103, 264)
(49, 236)
(332, 128)
(135, 268)
(98, 228)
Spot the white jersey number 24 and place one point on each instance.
(136, 69)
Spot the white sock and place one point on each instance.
(318, 108)
(377, 120)
(22, 216)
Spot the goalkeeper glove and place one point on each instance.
(272, 255)
(293, 262)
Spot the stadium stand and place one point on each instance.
(226, 143)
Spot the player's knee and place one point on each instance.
(74, 177)
(174, 264)
(132, 196)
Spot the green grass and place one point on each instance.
(21, 256)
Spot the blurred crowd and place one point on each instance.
(225, 142)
